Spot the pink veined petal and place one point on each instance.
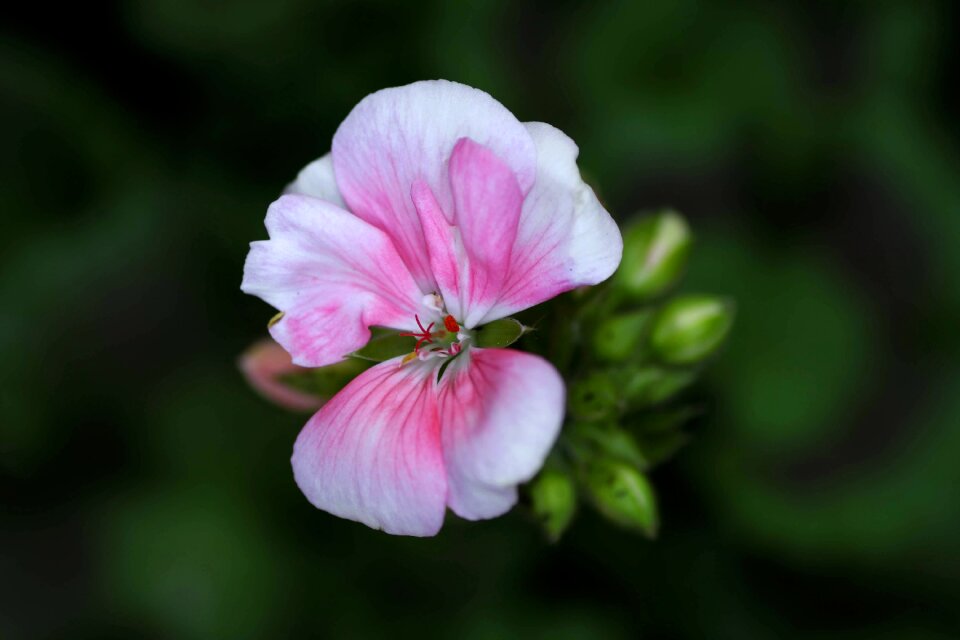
(332, 274)
(500, 411)
(395, 137)
(316, 180)
(565, 237)
(444, 246)
(372, 454)
(487, 200)
(470, 259)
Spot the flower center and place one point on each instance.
(443, 339)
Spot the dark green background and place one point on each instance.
(145, 491)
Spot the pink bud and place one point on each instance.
(263, 364)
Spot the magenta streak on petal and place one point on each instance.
(372, 454)
(443, 246)
(397, 136)
(565, 237)
(487, 199)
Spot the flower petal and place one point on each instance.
(565, 238)
(397, 136)
(333, 275)
(444, 246)
(316, 180)
(501, 412)
(372, 454)
(470, 258)
(487, 200)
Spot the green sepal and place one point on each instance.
(594, 397)
(384, 345)
(499, 333)
(660, 447)
(324, 382)
(607, 439)
(651, 385)
(622, 336)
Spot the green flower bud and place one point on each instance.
(608, 439)
(690, 328)
(621, 336)
(652, 385)
(594, 397)
(655, 252)
(622, 494)
(554, 499)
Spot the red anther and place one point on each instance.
(451, 324)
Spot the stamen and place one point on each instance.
(423, 337)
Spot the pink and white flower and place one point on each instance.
(436, 212)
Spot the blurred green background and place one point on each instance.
(145, 491)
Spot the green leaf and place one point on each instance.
(499, 333)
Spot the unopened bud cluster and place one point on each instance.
(638, 346)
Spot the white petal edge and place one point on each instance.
(596, 244)
(318, 181)
(565, 238)
(500, 411)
